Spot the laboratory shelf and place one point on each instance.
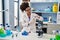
(47, 23)
(45, 9)
(44, 2)
(42, 12)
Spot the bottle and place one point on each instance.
(50, 19)
(55, 8)
(48, 9)
(57, 37)
(2, 31)
(8, 31)
(7, 27)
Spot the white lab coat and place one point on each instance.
(32, 23)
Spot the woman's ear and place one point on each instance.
(24, 11)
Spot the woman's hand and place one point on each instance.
(39, 17)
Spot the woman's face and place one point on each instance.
(28, 10)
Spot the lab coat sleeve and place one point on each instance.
(39, 17)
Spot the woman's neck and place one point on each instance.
(29, 15)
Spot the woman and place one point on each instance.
(21, 2)
(29, 19)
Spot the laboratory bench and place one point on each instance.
(31, 36)
(49, 27)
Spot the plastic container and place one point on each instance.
(45, 19)
(2, 35)
(48, 9)
(8, 31)
(52, 39)
(55, 8)
(2, 31)
(57, 37)
(7, 27)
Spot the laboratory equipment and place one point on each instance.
(50, 19)
(6, 26)
(17, 28)
(2, 31)
(52, 39)
(55, 7)
(48, 9)
(8, 30)
(39, 28)
(45, 19)
(57, 34)
(25, 33)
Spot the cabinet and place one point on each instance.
(58, 18)
(44, 0)
(45, 9)
(39, 7)
(52, 27)
(38, 0)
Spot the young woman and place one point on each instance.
(21, 2)
(29, 19)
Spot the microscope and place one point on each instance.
(39, 26)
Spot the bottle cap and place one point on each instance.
(6, 23)
(8, 26)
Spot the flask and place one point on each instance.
(8, 31)
(2, 31)
(57, 36)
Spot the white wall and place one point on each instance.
(6, 4)
(45, 0)
(15, 13)
(9, 15)
(20, 1)
(38, 0)
(1, 12)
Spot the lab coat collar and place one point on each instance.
(28, 18)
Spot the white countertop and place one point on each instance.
(31, 36)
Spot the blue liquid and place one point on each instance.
(8, 32)
(2, 35)
(25, 33)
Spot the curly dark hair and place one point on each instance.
(23, 6)
(25, 0)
